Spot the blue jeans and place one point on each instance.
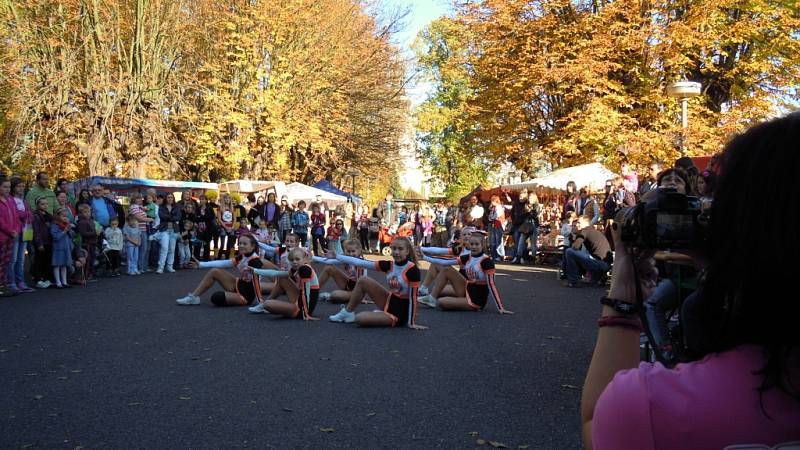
(577, 259)
(496, 242)
(144, 251)
(521, 241)
(16, 267)
(166, 250)
(133, 257)
(664, 297)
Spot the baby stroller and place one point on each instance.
(386, 235)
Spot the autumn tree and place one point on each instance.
(206, 90)
(562, 82)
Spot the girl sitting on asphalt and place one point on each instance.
(281, 256)
(237, 291)
(472, 292)
(399, 303)
(345, 279)
(300, 283)
(459, 248)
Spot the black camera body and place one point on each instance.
(668, 221)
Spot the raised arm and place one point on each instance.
(268, 249)
(327, 261)
(441, 261)
(358, 262)
(271, 273)
(219, 264)
(437, 251)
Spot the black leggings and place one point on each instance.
(42, 259)
(323, 245)
(363, 236)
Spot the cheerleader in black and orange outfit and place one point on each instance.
(458, 248)
(239, 291)
(346, 277)
(473, 292)
(300, 283)
(399, 303)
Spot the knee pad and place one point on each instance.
(218, 299)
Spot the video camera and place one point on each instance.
(670, 220)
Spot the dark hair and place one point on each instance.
(684, 162)
(677, 171)
(710, 179)
(571, 187)
(745, 299)
(39, 175)
(15, 181)
(252, 239)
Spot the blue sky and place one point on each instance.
(422, 12)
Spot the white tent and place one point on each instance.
(299, 191)
(593, 175)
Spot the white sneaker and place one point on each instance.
(160, 271)
(190, 299)
(41, 285)
(170, 270)
(427, 300)
(258, 309)
(343, 316)
(324, 296)
(423, 290)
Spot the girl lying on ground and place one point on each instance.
(399, 303)
(300, 283)
(239, 291)
(345, 279)
(472, 292)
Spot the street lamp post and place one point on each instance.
(353, 173)
(684, 90)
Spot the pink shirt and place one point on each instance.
(708, 404)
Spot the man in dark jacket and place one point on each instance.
(388, 211)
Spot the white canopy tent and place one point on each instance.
(593, 175)
(299, 191)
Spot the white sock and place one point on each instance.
(57, 275)
(64, 275)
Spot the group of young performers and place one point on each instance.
(466, 289)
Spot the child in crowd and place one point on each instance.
(237, 291)
(300, 221)
(61, 231)
(345, 279)
(399, 303)
(88, 232)
(318, 244)
(472, 292)
(363, 228)
(336, 235)
(133, 239)
(427, 228)
(300, 283)
(115, 240)
(43, 244)
(187, 236)
(263, 233)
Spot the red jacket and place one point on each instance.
(9, 219)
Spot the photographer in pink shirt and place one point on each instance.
(745, 392)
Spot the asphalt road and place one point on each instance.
(118, 365)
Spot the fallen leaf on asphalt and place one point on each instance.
(481, 442)
(135, 404)
(163, 329)
(473, 433)
(496, 444)
(184, 398)
(287, 409)
(370, 414)
(207, 360)
(327, 430)
(31, 374)
(523, 447)
(38, 397)
(195, 358)
(63, 378)
(325, 359)
(553, 337)
(569, 386)
(26, 446)
(2, 350)
(76, 371)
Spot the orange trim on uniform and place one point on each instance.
(386, 310)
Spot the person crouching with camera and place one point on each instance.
(596, 262)
(745, 391)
